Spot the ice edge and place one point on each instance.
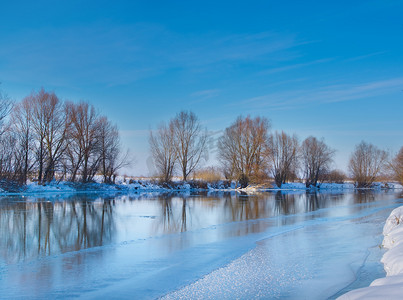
(391, 286)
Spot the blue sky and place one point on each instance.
(331, 69)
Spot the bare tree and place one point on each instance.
(316, 159)
(163, 150)
(21, 124)
(46, 135)
(7, 155)
(190, 140)
(7, 140)
(6, 105)
(38, 125)
(366, 163)
(83, 149)
(242, 146)
(49, 121)
(112, 158)
(396, 166)
(282, 155)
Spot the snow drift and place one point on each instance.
(390, 287)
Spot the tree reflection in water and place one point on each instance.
(180, 212)
(177, 213)
(174, 213)
(37, 227)
(284, 203)
(364, 196)
(42, 228)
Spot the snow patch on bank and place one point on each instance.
(390, 287)
(324, 186)
(339, 186)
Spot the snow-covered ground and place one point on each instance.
(332, 186)
(340, 186)
(390, 287)
(122, 184)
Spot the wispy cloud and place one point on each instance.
(287, 82)
(326, 94)
(365, 56)
(95, 54)
(206, 93)
(213, 49)
(116, 55)
(201, 96)
(295, 66)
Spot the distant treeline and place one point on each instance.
(249, 153)
(44, 138)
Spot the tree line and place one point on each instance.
(249, 152)
(44, 138)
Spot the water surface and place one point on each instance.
(279, 244)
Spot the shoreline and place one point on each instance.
(391, 286)
(147, 186)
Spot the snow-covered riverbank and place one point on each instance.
(390, 287)
(148, 185)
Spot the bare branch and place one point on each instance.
(316, 159)
(366, 163)
(242, 147)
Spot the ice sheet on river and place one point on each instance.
(315, 262)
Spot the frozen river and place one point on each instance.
(293, 245)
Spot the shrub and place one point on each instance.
(333, 176)
(209, 174)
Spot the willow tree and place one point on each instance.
(112, 158)
(163, 150)
(21, 126)
(242, 147)
(6, 105)
(282, 154)
(396, 165)
(366, 163)
(7, 140)
(50, 126)
(83, 149)
(190, 141)
(316, 159)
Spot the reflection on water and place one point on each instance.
(40, 228)
(37, 227)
